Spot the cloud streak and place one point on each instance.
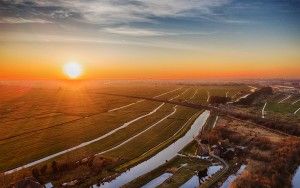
(13, 20)
(107, 11)
(145, 32)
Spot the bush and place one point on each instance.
(262, 143)
(43, 169)
(35, 173)
(54, 167)
(219, 100)
(276, 172)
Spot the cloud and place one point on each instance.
(108, 11)
(133, 31)
(29, 37)
(12, 20)
(144, 32)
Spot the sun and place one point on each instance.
(72, 69)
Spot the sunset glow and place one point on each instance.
(208, 39)
(113, 93)
(73, 70)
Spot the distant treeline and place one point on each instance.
(212, 84)
(250, 99)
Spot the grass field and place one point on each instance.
(37, 122)
(284, 104)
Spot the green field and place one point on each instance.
(38, 122)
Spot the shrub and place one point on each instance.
(35, 173)
(43, 169)
(54, 166)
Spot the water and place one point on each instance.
(296, 179)
(232, 177)
(195, 181)
(161, 157)
(157, 181)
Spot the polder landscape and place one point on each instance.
(149, 94)
(150, 134)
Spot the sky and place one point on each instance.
(150, 39)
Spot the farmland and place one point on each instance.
(95, 131)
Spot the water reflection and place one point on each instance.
(161, 157)
(157, 181)
(232, 177)
(201, 176)
(296, 179)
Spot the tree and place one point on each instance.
(43, 169)
(35, 173)
(54, 166)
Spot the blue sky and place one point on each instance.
(153, 18)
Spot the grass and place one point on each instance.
(149, 143)
(184, 173)
(36, 145)
(154, 136)
(209, 123)
(39, 118)
(218, 90)
(180, 176)
(160, 146)
(283, 108)
(163, 132)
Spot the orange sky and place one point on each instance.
(38, 61)
(163, 40)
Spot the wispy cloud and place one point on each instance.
(133, 31)
(28, 37)
(145, 32)
(13, 20)
(108, 11)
